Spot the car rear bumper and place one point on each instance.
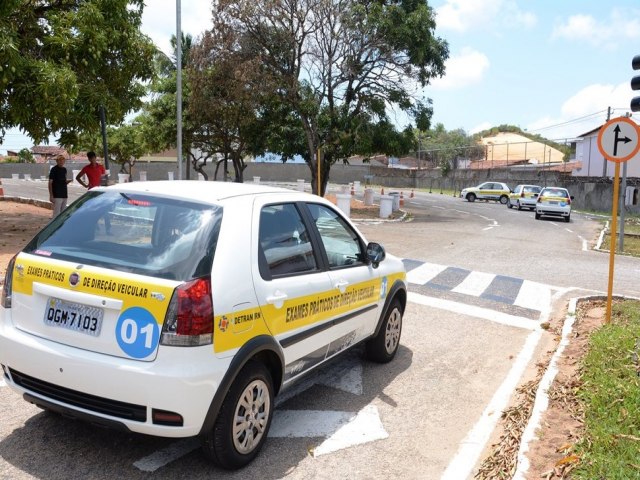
(112, 391)
(553, 211)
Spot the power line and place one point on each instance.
(575, 120)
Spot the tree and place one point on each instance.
(445, 148)
(230, 100)
(59, 61)
(25, 156)
(158, 118)
(340, 65)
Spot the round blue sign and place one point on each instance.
(137, 332)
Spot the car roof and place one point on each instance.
(199, 191)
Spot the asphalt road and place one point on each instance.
(482, 278)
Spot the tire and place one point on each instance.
(504, 199)
(537, 216)
(471, 197)
(509, 204)
(384, 346)
(244, 419)
(567, 218)
(519, 206)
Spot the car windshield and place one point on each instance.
(555, 192)
(135, 233)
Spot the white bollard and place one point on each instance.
(301, 185)
(143, 176)
(368, 196)
(170, 174)
(123, 177)
(15, 176)
(256, 179)
(27, 176)
(356, 186)
(344, 203)
(386, 206)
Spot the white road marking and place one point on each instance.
(473, 311)
(471, 447)
(437, 206)
(167, 455)
(585, 245)
(533, 295)
(342, 429)
(2, 383)
(424, 273)
(475, 283)
(462, 211)
(568, 230)
(488, 228)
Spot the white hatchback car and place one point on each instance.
(555, 202)
(179, 309)
(496, 191)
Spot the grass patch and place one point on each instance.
(631, 244)
(610, 394)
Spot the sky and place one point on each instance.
(551, 67)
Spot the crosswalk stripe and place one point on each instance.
(533, 295)
(475, 283)
(424, 273)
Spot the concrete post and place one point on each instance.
(344, 203)
(386, 206)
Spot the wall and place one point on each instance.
(594, 193)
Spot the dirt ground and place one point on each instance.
(550, 456)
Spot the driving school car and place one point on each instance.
(524, 196)
(497, 191)
(179, 309)
(555, 202)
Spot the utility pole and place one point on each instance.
(179, 88)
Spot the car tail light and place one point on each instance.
(568, 200)
(189, 318)
(5, 300)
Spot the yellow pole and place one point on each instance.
(612, 240)
(318, 160)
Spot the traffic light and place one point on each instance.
(635, 84)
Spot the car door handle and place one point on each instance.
(341, 285)
(277, 299)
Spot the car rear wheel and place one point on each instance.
(504, 199)
(567, 218)
(519, 206)
(383, 347)
(244, 419)
(471, 197)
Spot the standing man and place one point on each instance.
(94, 172)
(58, 186)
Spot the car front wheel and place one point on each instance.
(383, 347)
(504, 199)
(537, 216)
(471, 197)
(244, 419)
(567, 218)
(519, 206)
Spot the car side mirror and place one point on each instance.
(571, 197)
(536, 195)
(375, 254)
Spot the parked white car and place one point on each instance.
(181, 309)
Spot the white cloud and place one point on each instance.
(584, 111)
(602, 33)
(464, 69)
(463, 15)
(159, 20)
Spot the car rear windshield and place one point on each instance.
(143, 234)
(555, 192)
(532, 189)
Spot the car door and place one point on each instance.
(357, 286)
(485, 190)
(290, 280)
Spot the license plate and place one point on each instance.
(553, 203)
(73, 316)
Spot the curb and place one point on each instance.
(541, 402)
(29, 201)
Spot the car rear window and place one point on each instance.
(532, 189)
(555, 192)
(143, 234)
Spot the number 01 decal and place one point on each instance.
(137, 332)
